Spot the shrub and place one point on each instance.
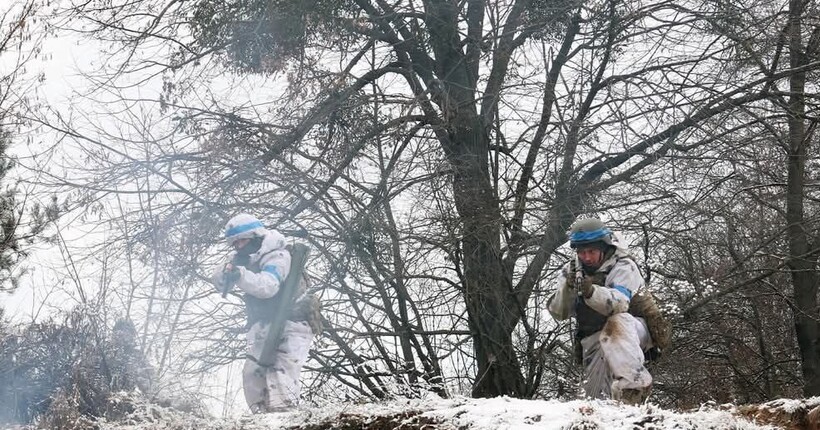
(66, 370)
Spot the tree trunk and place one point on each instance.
(800, 261)
(487, 288)
(492, 312)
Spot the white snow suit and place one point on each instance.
(276, 387)
(613, 340)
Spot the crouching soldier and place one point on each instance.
(258, 267)
(596, 288)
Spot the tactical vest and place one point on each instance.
(589, 320)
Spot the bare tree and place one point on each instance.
(802, 233)
(435, 151)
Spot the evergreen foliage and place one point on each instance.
(10, 249)
(261, 36)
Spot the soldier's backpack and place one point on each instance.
(644, 305)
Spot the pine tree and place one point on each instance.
(10, 250)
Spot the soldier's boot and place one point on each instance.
(278, 409)
(258, 408)
(633, 396)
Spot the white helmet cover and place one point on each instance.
(586, 231)
(243, 226)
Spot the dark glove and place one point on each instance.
(587, 286)
(230, 277)
(571, 282)
(241, 259)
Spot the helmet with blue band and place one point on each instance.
(589, 231)
(243, 226)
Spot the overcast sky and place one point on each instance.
(61, 63)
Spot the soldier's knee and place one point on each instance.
(616, 325)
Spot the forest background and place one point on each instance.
(433, 154)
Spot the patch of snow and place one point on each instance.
(481, 414)
(792, 405)
(458, 413)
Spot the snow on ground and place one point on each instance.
(461, 413)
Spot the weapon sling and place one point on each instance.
(280, 309)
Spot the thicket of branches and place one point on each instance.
(67, 369)
(434, 153)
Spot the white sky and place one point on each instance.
(56, 62)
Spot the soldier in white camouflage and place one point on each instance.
(596, 287)
(258, 268)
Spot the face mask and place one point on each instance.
(251, 247)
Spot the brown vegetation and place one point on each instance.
(785, 414)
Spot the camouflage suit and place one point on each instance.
(613, 341)
(275, 387)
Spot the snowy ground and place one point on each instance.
(465, 413)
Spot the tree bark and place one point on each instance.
(487, 288)
(488, 294)
(801, 262)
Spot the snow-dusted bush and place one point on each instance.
(57, 372)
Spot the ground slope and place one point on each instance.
(498, 413)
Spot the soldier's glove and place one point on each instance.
(230, 277)
(587, 286)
